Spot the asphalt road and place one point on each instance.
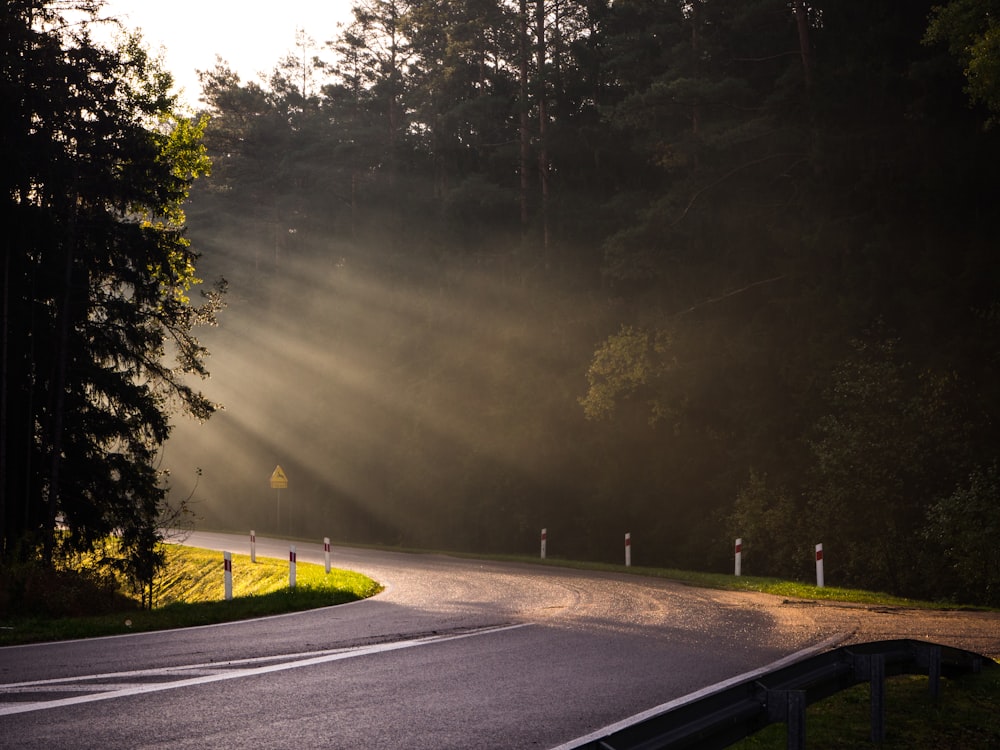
(454, 654)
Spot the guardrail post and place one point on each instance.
(934, 670)
(796, 721)
(789, 708)
(877, 682)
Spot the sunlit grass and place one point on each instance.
(191, 592)
(195, 575)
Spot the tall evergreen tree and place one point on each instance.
(95, 169)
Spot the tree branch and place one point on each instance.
(727, 295)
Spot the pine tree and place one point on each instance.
(97, 273)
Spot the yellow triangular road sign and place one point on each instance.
(278, 479)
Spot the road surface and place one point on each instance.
(453, 654)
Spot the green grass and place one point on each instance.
(190, 592)
(966, 716)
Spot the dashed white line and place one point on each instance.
(204, 673)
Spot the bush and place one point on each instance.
(965, 527)
(768, 522)
(34, 590)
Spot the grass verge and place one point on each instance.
(190, 593)
(964, 717)
(729, 582)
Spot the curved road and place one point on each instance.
(453, 654)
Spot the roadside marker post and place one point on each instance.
(820, 583)
(326, 552)
(227, 567)
(628, 550)
(545, 534)
(253, 546)
(291, 567)
(739, 557)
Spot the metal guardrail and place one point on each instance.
(736, 711)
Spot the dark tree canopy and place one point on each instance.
(95, 281)
(691, 269)
(696, 268)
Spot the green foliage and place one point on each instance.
(29, 589)
(626, 362)
(971, 31)
(965, 525)
(886, 451)
(771, 524)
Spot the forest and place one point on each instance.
(693, 270)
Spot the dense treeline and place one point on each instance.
(690, 269)
(693, 270)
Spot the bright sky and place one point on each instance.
(251, 36)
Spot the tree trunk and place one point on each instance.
(695, 57)
(543, 118)
(4, 333)
(58, 387)
(802, 21)
(525, 136)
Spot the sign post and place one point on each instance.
(279, 481)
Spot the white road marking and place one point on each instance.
(117, 687)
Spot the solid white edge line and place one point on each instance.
(20, 708)
(699, 694)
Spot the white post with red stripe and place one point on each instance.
(545, 536)
(628, 550)
(739, 556)
(253, 546)
(291, 567)
(326, 552)
(227, 567)
(819, 566)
